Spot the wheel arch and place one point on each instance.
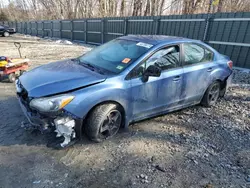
(108, 102)
(222, 81)
(211, 82)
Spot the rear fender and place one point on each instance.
(220, 73)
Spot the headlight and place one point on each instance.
(51, 104)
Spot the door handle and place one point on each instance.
(176, 78)
(209, 69)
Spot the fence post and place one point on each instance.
(36, 28)
(157, 23)
(207, 21)
(25, 28)
(125, 26)
(60, 29)
(86, 31)
(43, 29)
(72, 30)
(102, 30)
(51, 29)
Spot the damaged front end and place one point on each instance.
(47, 114)
(65, 126)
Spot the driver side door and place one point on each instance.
(158, 94)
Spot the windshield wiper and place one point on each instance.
(91, 67)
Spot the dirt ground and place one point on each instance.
(194, 147)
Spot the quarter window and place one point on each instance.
(196, 54)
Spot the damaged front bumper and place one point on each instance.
(63, 123)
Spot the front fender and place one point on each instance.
(86, 98)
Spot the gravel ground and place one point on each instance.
(194, 147)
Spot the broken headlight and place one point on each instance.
(51, 104)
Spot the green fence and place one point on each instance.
(229, 33)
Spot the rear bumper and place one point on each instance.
(11, 31)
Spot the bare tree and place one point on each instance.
(69, 9)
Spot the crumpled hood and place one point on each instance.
(58, 77)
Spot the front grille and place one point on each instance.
(23, 95)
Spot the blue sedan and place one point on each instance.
(123, 81)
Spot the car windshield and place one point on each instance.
(115, 55)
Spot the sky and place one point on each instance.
(4, 2)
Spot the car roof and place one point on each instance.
(156, 39)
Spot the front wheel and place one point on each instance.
(211, 95)
(103, 122)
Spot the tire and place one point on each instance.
(6, 34)
(211, 95)
(223, 92)
(223, 88)
(103, 122)
(12, 77)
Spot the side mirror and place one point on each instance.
(152, 70)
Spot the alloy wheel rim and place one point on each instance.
(214, 93)
(111, 124)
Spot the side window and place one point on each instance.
(196, 54)
(166, 58)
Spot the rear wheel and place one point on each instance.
(211, 95)
(12, 77)
(103, 122)
(6, 34)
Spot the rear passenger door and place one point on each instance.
(197, 67)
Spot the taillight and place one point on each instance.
(230, 64)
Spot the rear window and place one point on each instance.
(115, 55)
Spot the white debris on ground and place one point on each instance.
(63, 42)
(51, 39)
